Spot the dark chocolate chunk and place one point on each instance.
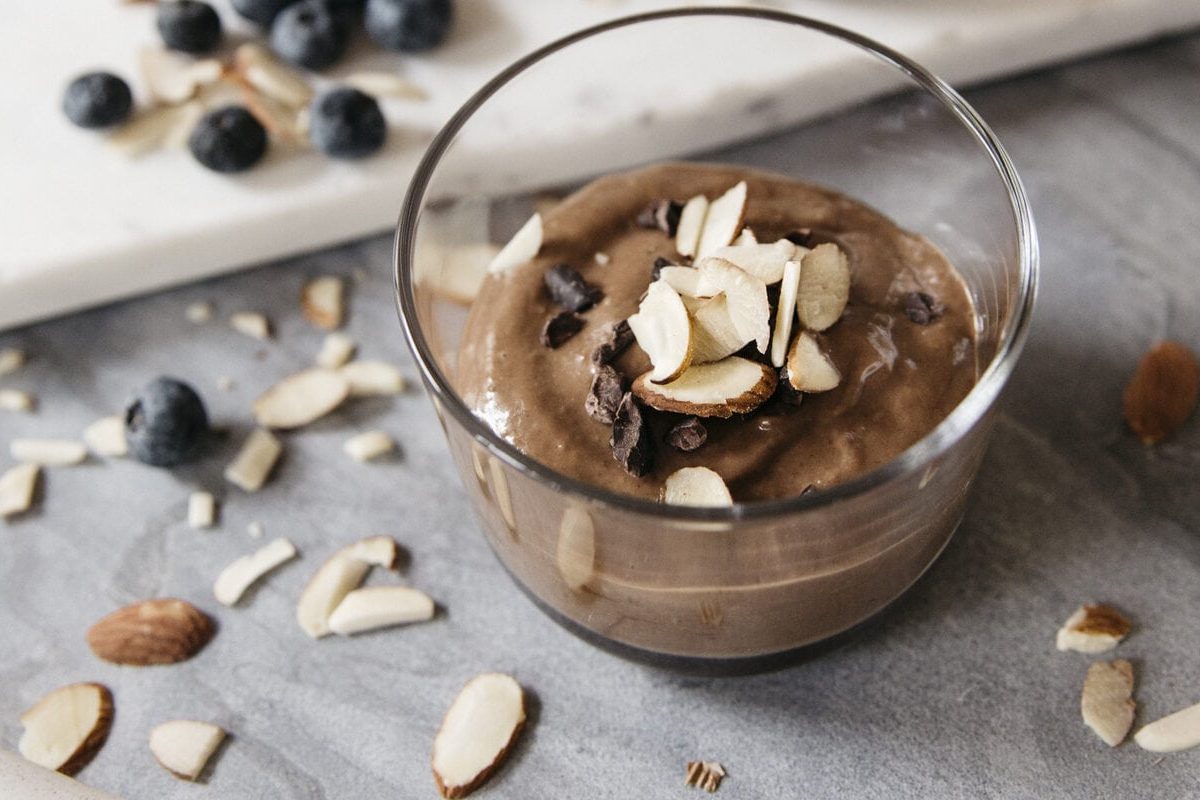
(608, 389)
(560, 328)
(687, 435)
(631, 440)
(662, 214)
(802, 237)
(922, 308)
(569, 290)
(617, 339)
(659, 263)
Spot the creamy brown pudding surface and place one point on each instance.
(903, 348)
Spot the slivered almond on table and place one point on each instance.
(1093, 628)
(477, 733)
(337, 577)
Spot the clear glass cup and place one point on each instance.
(758, 578)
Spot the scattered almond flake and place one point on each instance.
(385, 84)
(602, 259)
(369, 445)
(254, 462)
(808, 368)
(824, 287)
(240, 575)
(337, 349)
(200, 312)
(202, 510)
(477, 733)
(696, 486)
(151, 129)
(723, 388)
(663, 330)
(322, 301)
(1106, 703)
(746, 295)
(252, 324)
(705, 775)
(337, 577)
(746, 237)
(48, 452)
(301, 399)
(255, 530)
(691, 225)
(1172, 733)
(723, 220)
(66, 728)
(173, 78)
(183, 746)
(1093, 629)
(279, 119)
(373, 378)
(17, 400)
(262, 70)
(684, 280)
(225, 383)
(763, 261)
(714, 335)
(106, 436)
(575, 553)
(11, 360)
(523, 247)
(17, 488)
(785, 313)
(378, 607)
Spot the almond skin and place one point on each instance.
(1163, 392)
(163, 631)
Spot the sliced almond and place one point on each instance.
(714, 334)
(338, 576)
(1093, 629)
(173, 78)
(183, 746)
(322, 301)
(200, 313)
(824, 287)
(202, 510)
(731, 386)
(153, 128)
(17, 401)
(66, 728)
(251, 323)
(106, 437)
(253, 464)
(456, 271)
(691, 225)
(662, 329)
(1163, 392)
(1172, 733)
(704, 775)
(11, 360)
(477, 733)
(17, 487)
(239, 576)
(301, 399)
(336, 350)
(373, 378)
(369, 445)
(280, 120)
(48, 452)
(575, 553)
(523, 247)
(696, 486)
(808, 368)
(684, 280)
(763, 261)
(785, 313)
(259, 67)
(746, 237)
(723, 220)
(746, 295)
(378, 607)
(385, 84)
(160, 631)
(1107, 703)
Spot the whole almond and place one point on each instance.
(1163, 392)
(164, 631)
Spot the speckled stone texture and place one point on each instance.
(955, 692)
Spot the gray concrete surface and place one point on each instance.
(957, 692)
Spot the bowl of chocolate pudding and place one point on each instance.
(713, 400)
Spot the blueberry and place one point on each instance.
(97, 100)
(166, 424)
(262, 12)
(345, 123)
(189, 25)
(409, 24)
(311, 33)
(229, 139)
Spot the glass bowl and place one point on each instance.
(757, 578)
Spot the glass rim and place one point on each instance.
(929, 447)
